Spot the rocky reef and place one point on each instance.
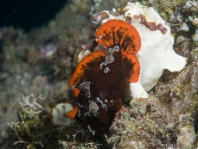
(35, 68)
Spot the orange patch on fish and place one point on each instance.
(72, 114)
(118, 32)
(76, 92)
(82, 66)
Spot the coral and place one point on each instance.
(182, 16)
(31, 127)
(146, 123)
(186, 137)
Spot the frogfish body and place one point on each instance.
(101, 79)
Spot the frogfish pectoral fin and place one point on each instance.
(76, 92)
(73, 113)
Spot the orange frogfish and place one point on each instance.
(100, 82)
